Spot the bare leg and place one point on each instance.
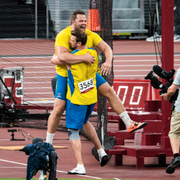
(175, 144)
(77, 149)
(107, 91)
(115, 103)
(54, 118)
(92, 135)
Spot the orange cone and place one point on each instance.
(93, 22)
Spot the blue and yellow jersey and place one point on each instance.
(63, 38)
(82, 88)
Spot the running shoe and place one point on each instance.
(104, 160)
(135, 126)
(77, 170)
(174, 164)
(155, 37)
(177, 38)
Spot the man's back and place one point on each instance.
(82, 80)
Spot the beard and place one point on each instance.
(73, 48)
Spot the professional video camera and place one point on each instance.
(158, 84)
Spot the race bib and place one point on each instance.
(86, 86)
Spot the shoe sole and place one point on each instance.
(171, 169)
(105, 160)
(76, 173)
(143, 125)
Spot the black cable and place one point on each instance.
(156, 43)
(22, 132)
(165, 127)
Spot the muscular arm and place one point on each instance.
(106, 49)
(55, 61)
(64, 57)
(171, 90)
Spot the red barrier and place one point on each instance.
(133, 93)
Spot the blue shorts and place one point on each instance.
(77, 115)
(99, 80)
(61, 85)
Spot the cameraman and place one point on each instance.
(174, 133)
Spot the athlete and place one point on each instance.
(81, 96)
(62, 50)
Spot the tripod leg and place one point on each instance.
(52, 164)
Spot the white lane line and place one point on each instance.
(115, 55)
(80, 175)
(41, 102)
(140, 55)
(38, 87)
(138, 70)
(39, 93)
(30, 72)
(33, 56)
(13, 162)
(42, 77)
(138, 60)
(22, 62)
(1, 167)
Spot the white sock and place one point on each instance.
(49, 137)
(125, 118)
(79, 166)
(101, 152)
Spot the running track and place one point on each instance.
(132, 60)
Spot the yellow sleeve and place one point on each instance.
(93, 38)
(96, 39)
(62, 39)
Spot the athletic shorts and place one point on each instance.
(175, 125)
(77, 115)
(61, 85)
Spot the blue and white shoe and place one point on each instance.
(155, 37)
(177, 38)
(78, 170)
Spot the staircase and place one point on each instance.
(148, 142)
(61, 11)
(128, 17)
(17, 20)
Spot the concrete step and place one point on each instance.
(125, 24)
(125, 4)
(126, 13)
(70, 4)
